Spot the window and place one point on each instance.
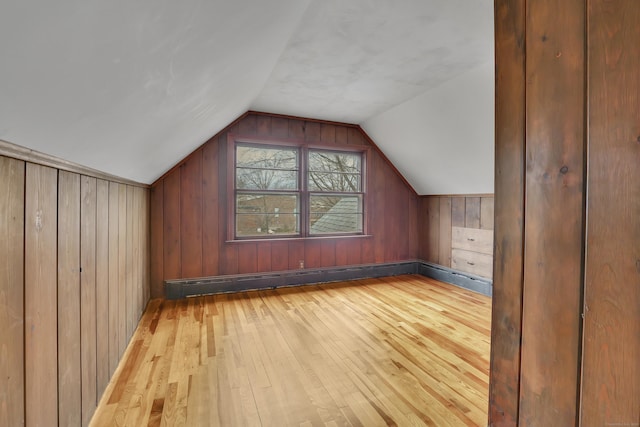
(296, 191)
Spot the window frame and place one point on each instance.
(303, 192)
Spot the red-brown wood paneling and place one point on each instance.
(12, 291)
(172, 255)
(191, 216)
(611, 371)
(506, 326)
(40, 294)
(69, 364)
(280, 256)
(194, 238)
(157, 237)
(210, 236)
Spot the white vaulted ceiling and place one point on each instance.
(130, 88)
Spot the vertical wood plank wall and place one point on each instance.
(12, 174)
(566, 307)
(611, 371)
(189, 211)
(438, 214)
(57, 355)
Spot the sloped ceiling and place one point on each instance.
(130, 88)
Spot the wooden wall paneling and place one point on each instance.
(342, 251)
(279, 256)
(296, 253)
(394, 218)
(263, 126)
(356, 137)
(129, 266)
(41, 323)
(414, 229)
(172, 240)
(433, 227)
(554, 208)
(12, 291)
(211, 239)
(342, 135)
(88, 339)
(247, 257)
(191, 214)
(264, 257)
(295, 128)
(313, 254)
(69, 362)
(486, 213)
(328, 253)
(458, 211)
(145, 248)
(506, 326)
(611, 344)
(136, 262)
(102, 286)
(114, 351)
(123, 339)
(378, 207)
(228, 254)
(249, 125)
(281, 127)
(444, 245)
(312, 132)
(157, 239)
(472, 212)
(354, 251)
(328, 133)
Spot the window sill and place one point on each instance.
(297, 239)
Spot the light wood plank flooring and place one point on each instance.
(405, 351)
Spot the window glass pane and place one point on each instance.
(335, 214)
(266, 179)
(331, 161)
(267, 214)
(329, 181)
(334, 171)
(266, 157)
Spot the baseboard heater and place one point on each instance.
(182, 288)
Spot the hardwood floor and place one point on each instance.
(402, 351)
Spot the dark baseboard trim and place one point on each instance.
(183, 288)
(464, 280)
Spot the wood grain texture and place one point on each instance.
(472, 239)
(102, 286)
(195, 209)
(157, 239)
(12, 190)
(433, 230)
(397, 351)
(444, 235)
(458, 206)
(554, 210)
(114, 299)
(611, 352)
(472, 212)
(172, 254)
(486, 213)
(88, 338)
(191, 214)
(123, 339)
(506, 325)
(69, 321)
(41, 317)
